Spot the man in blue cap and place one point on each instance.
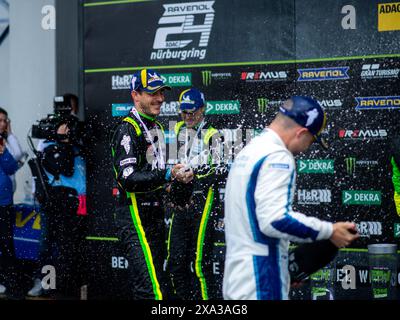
(139, 167)
(259, 219)
(195, 209)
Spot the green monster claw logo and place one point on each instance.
(206, 76)
(350, 165)
(262, 104)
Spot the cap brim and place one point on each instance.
(155, 89)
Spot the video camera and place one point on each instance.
(47, 127)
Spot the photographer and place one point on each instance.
(10, 154)
(64, 201)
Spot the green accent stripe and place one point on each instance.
(249, 63)
(145, 247)
(200, 243)
(353, 250)
(106, 3)
(169, 237)
(101, 238)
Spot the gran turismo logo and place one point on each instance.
(374, 71)
(177, 31)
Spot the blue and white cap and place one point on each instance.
(191, 100)
(147, 80)
(308, 113)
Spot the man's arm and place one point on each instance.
(273, 200)
(132, 172)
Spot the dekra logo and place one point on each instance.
(223, 107)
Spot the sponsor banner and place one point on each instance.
(261, 76)
(314, 196)
(323, 74)
(263, 104)
(358, 134)
(331, 103)
(352, 164)
(208, 76)
(377, 103)
(389, 16)
(121, 109)
(169, 109)
(177, 33)
(361, 197)
(316, 166)
(223, 107)
(121, 82)
(177, 79)
(369, 228)
(375, 71)
(397, 230)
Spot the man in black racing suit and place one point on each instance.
(140, 172)
(196, 210)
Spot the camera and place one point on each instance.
(47, 128)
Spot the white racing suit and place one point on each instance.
(260, 221)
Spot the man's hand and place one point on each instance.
(181, 173)
(2, 146)
(63, 129)
(343, 234)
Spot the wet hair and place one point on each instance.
(3, 111)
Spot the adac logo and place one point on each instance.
(264, 76)
(374, 71)
(389, 16)
(177, 79)
(223, 107)
(182, 17)
(363, 134)
(316, 166)
(264, 103)
(323, 74)
(397, 230)
(375, 103)
(361, 197)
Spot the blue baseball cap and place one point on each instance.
(308, 113)
(147, 80)
(191, 100)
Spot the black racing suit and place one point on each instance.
(140, 214)
(194, 218)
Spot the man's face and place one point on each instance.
(3, 122)
(301, 142)
(192, 119)
(149, 104)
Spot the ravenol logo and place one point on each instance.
(206, 76)
(177, 79)
(361, 197)
(315, 166)
(397, 230)
(389, 16)
(350, 165)
(374, 103)
(322, 74)
(223, 107)
(179, 19)
(121, 109)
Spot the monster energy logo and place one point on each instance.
(350, 165)
(206, 76)
(262, 104)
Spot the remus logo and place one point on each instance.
(177, 25)
(363, 134)
(322, 74)
(223, 107)
(264, 76)
(331, 103)
(315, 166)
(361, 197)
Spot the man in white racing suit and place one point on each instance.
(259, 220)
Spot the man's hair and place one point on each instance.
(72, 98)
(3, 111)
